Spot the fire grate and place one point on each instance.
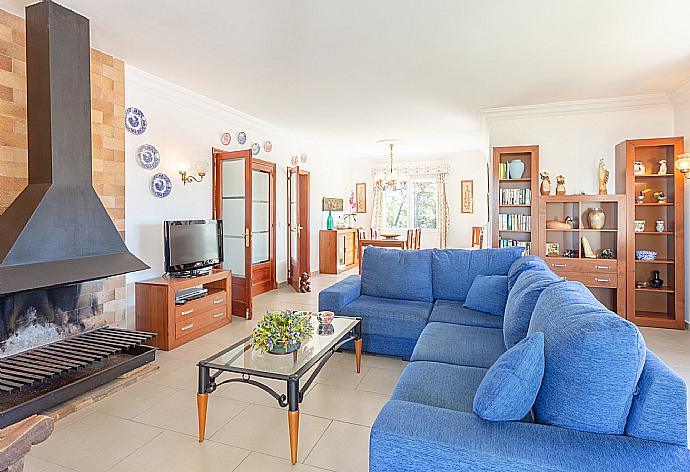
(40, 378)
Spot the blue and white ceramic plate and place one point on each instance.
(241, 137)
(148, 156)
(161, 186)
(135, 121)
(225, 138)
(256, 148)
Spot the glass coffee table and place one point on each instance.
(241, 359)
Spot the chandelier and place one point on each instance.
(391, 179)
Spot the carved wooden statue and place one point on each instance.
(560, 185)
(304, 283)
(603, 177)
(545, 187)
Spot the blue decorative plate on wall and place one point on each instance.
(161, 186)
(148, 156)
(135, 121)
(241, 137)
(256, 148)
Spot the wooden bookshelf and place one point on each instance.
(604, 277)
(663, 308)
(528, 181)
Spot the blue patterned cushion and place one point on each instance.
(593, 360)
(488, 293)
(392, 273)
(510, 387)
(522, 265)
(659, 408)
(521, 301)
(454, 270)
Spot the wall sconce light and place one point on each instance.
(201, 167)
(683, 164)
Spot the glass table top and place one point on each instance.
(241, 358)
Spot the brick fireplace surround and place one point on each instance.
(106, 298)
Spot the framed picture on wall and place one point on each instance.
(467, 196)
(361, 197)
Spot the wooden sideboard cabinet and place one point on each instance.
(178, 324)
(337, 250)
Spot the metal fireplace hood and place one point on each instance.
(57, 231)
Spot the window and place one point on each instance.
(414, 207)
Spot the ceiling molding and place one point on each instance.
(681, 92)
(598, 105)
(194, 101)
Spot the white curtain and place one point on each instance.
(442, 216)
(377, 210)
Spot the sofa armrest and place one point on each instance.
(335, 297)
(410, 437)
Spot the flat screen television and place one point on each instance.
(192, 245)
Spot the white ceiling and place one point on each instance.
(347, 73)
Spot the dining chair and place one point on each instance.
(361, 234)
(411, 236)
(374, 233)
(477, 236)
(418, 238)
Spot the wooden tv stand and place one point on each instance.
(178, 324)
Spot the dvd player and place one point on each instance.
(183, 296)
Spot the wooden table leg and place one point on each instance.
(358, 354)
(201, 405)
(293, 416)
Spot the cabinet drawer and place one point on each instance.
(195, 307)
(197, 323)
(609, 266)
(605, 280)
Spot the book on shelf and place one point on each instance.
(514, 222)
(515, 196)
(512, 243)
(502, 170)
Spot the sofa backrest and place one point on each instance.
(524, 264)
(593, 360)
(659, 407)
(392, 273)
(454, 270)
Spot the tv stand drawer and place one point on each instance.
(217, 299)
(197, 325)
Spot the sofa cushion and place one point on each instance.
(454, 270)
(522, 265)
(437, 384)
(392, 273)
(385, 316)
(593, 360)
(521, 301)
(489, 294)
(460, 345)
(510, 386)
(659, 408)
(451, 311)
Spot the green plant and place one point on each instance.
(281, 327)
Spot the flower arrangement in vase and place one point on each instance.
(351, 217)
(282, 331)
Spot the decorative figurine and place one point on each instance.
(603, 177)
(567, 223)
(662, 167)
(597, 218)
(638, 168)
(640, 284)
(570, 253)
(560, 185)
(655, 281)
(587, 248)
(660, 226)
(660, 197)
(607, 254)
(545, 187)
(640, 198)
(304, 283)
(639, 226)
(552, 249)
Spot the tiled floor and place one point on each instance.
(151, 426)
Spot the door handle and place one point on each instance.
(218, 315)
(216, 302)
(186, 312)
(188, 327)
(602, 267)
(299, 231)
(558, 265)
(597, 279)
(247, 237)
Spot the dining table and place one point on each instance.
(380, 242)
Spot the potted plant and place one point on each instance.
(282, 331)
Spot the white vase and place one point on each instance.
(516, 169)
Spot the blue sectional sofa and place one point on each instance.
(605, 401)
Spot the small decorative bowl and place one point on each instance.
(640, 284)
(325, 317)
(644, 255)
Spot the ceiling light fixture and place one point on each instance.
(391, 179)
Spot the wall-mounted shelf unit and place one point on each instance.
(514, 200)
(604, 277)
(647, 306)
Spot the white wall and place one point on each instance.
(464, 165)
(183, 125)
(681, 127)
